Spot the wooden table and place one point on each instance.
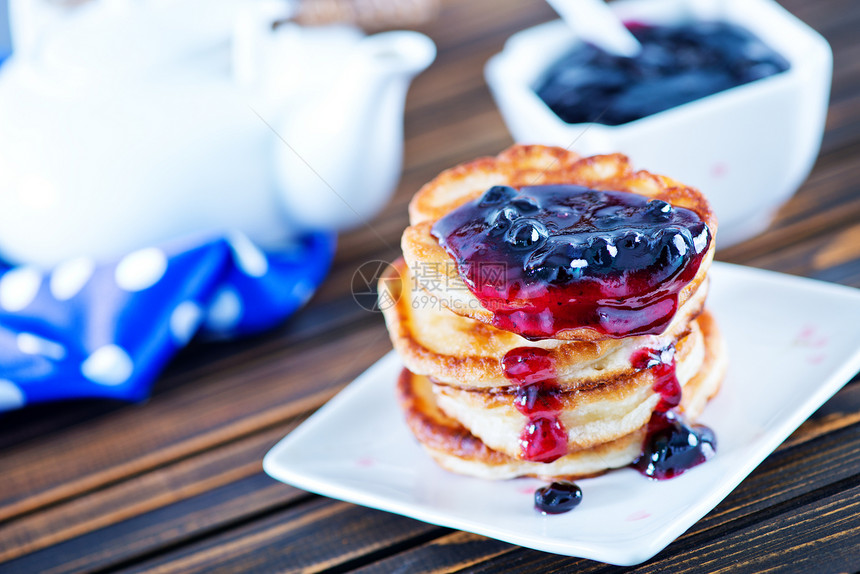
(176, 485)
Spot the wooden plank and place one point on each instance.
(831, 183)
(238, 402)
(450, 553)
(815, 535)
(313, 537)
(142, 495)
(823, 452)
(179, 523)
(465, 46)
(821, 535)
(152, 491)
(787, 235)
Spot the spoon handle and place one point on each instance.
(595, 22)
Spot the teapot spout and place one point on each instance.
(398, 53)
(344, 152)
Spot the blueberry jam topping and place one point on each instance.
(673, 446)
(548, 258)
(537, 396)
(678, 64)
(558, 497)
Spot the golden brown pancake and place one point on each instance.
(458, 450)
(525, 166)
(466, 353)
(591, 414)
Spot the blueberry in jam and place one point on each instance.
(497, 195)
(678, 64)
(673, 446)
(558, 497)
(548, 258)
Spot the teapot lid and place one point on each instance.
(128, 38)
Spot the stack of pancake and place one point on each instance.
(458, 398)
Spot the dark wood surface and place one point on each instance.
(176, 485)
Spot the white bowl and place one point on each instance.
(748, 148)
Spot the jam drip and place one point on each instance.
(662, 365)
(671, 446)
(532, 370)
(554, 257)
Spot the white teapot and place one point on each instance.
(124, 123)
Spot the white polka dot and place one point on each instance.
(225, 311)
(18, 288)
(141, 269)
(34, 345)
(108, 365)
(184, 321)
(11, 396)
(70, 277)
(248, 256)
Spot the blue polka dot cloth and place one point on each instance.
(107, 330)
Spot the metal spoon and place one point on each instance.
(593, 21)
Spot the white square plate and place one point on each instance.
(793, 343)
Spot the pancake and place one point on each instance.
(458, 450)
(454, 448)
(528, 166)
(590, 415)
(588, 392)
(466, 353)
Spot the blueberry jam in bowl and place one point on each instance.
(678, 64)
(737, 119)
